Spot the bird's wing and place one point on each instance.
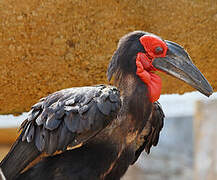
(70, 117)
(67, 118)
(152, 130)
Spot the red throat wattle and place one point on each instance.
(154, 48)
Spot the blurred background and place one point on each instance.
(48, 45)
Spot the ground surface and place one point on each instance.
(47, 45)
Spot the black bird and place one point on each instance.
(97, 132)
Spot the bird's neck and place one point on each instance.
(136, 106)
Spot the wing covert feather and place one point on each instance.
(70, 117)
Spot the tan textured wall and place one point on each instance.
(47, 45)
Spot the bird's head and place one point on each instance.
(141, 53)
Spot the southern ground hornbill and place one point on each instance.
(96, 132)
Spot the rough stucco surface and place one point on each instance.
(47, 45)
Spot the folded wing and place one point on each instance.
(64, 119)
(70, 117)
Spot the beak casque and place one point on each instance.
(178, 64)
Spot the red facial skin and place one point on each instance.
(145, 69)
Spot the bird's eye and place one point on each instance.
(158, 50)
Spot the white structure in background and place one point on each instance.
(176, 105)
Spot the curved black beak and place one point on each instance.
(178, 64)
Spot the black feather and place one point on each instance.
(53, 142)
(104, 107)
(62, 137)
(39, 139)
(33, 114)
(52, 122)
(30, 135)
(72, 121)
